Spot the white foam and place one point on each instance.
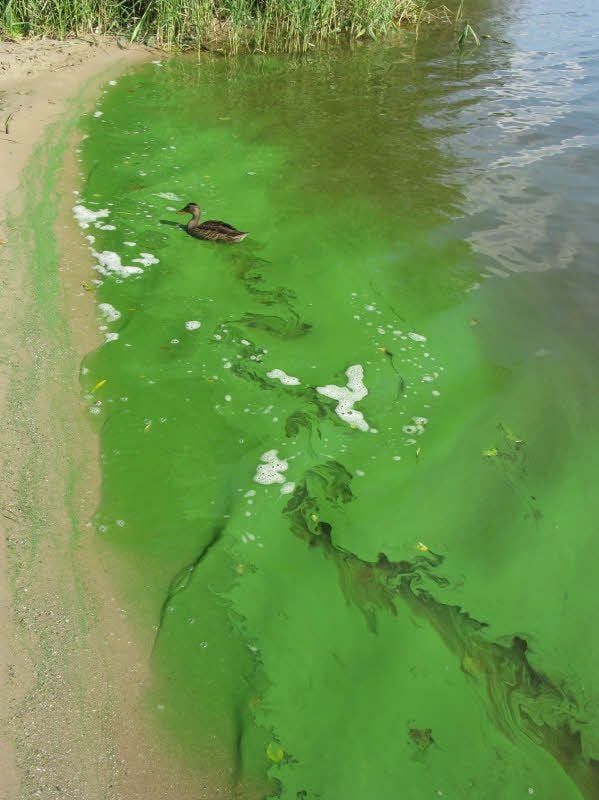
(98, 113)
(112, 83)
(130, 244)
(109, 312)
(111, 337)
(287, 487)
(347, 396)
(193, 324)
(417, 337)
(109, 263)
(85, 216)
(417, 427)
(147, 259)
(270, 471)
(287, 380)
(167, 196)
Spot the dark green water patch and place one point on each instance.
(345, 481)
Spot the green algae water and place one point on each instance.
(349, 465)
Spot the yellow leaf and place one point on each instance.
(275, 753)
(148, 426)
(99, 385)
(422, 547)
(492, 452)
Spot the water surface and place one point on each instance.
(392, 597)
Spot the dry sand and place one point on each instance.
(73, 674)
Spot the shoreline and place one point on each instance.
(73, 674)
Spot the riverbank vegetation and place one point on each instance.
(227, 25)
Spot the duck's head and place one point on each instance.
(190, 208)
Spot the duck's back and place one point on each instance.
(216, 230)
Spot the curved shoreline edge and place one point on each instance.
(71, 676)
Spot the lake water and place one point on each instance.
(350, 465)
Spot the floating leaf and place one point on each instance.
(492, 452)
(99, 384)
(422, 547)
(275, 753)
(148, 426)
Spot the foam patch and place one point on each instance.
(109, 263)
(279, 375)
(109, 312)
(346, 396)
(86, 217)
(147, 259)
(270, 471)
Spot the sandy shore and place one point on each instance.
(72, 673)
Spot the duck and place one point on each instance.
(212, 230)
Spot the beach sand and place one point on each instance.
(73, 673)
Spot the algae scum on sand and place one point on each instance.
(309, 470)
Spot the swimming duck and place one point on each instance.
(212, 230)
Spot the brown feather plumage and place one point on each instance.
(213, 230)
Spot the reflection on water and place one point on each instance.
(349, 473)
(534, 144)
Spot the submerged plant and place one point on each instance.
(467, 33)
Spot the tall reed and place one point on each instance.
(231, 25)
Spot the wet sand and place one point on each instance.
(73, 673)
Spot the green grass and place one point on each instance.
(230, 25)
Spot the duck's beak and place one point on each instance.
(183, 211)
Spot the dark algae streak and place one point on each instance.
(349, 463)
